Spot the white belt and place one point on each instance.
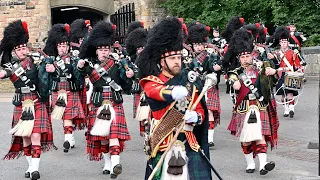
(63, 79)
(293, 45)
(284, 69)
(106, 89)
(25, 90)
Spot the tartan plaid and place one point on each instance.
(198, 169)
(83, 100)
(232, 125)
(274, 123)
(73, 108)
(42, 124)
(265, 123)
(202, 56)
(213, 103)
(118, 129)
(94, 76)
(136, 101)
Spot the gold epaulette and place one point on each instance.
(153, 79)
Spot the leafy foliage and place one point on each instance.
(272, 13)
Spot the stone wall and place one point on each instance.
(36, 13)
(312, 57)
(148, 11)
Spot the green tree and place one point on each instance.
(304, 13)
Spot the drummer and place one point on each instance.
(289, 63)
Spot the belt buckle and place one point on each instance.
(106, 88)
(19, 71)
(252, 96)
(63, 79)
(25, 90)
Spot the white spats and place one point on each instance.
(291, 107)
(72, 141)
(115, 165)
(29, 159)
(35, 164)
(210, 135)
(250, 162)
(286, 110)
(107, 161)
(262, 160)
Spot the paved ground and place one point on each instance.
(293, 159)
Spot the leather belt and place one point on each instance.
(63, 79)
(23, 90)
(106, 89)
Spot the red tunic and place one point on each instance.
(156, 89)
(292, 58)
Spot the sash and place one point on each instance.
(296, 40)
(244, 90)
(285, 60)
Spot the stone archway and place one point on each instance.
(102, 6)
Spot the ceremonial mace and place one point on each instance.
(210, 80)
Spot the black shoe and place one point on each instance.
(211, 144)
(66, 146)
(105, 172)
(27, 175)
(72, 147)
(250, 170)
(291, 114)
(286, 115)
(35, 175)
(117, 169)
(113, 176)
(268, 167)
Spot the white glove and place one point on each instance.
(179, 92)
(191, 116)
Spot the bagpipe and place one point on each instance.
(203, 63)
(121, 58)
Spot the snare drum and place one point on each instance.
(293, 80)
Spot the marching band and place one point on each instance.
(173, 72)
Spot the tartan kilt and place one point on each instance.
(265, 123)
(232, 125)
(42, 125)
(198, 169)
(41, 122)
(73, 110)
(118, 129)
(213, 103)
(136, 101)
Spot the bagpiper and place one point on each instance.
(67, 83)
(170, 93)
(79, 32)
(107, 127)
(251, 121)
(31, 128)
(135, 42)
(205, 62)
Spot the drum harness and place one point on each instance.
(296, 99)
